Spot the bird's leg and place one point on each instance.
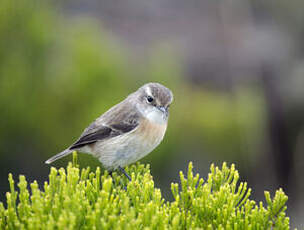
(124, 172)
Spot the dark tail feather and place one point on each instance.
(59, 155)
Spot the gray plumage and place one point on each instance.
(114, 137)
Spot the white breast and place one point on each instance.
(146, 138)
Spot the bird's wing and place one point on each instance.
(121, 119)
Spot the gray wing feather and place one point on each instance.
(120, 119)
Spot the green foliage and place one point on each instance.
(82, 199)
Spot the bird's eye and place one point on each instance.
(150, 99)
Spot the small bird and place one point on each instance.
(128, 131)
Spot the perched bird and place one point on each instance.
(128, 131)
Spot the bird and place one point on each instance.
(128, 131)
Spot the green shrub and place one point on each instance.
(82, 199)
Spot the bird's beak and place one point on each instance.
(163, 109)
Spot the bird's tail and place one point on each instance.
(59, 155)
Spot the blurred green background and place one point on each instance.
(235, 67)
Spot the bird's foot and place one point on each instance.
(125, 173)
